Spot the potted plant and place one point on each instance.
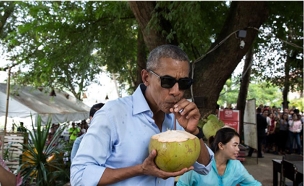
(42, 160)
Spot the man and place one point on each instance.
(115, 148)
(265, 113)
(78, 140)
(73, 132)
(261, 126)
(21, 128)
(217, 109)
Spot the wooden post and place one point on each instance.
(7, 98)
(7, 103)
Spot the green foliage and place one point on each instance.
(57, 41)
(280, 46)
(263, 92)
(196, 31)
(8, 152)
(64, 44)
(298, 103)
(43, 162)
(212, 125)
(229, 93)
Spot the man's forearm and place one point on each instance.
(111, 176)
(204, 157)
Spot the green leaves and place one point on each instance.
(57, 39)
(64, 44)
(41, 161)
(281, 46)
(263, 92)
(193, 23)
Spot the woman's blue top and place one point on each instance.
(234, 174)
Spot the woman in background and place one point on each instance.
(295, 127)
(283, 134)
(226, 169)
(270, 139)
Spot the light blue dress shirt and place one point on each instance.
(234, 174)
(119, 137)
(76, 146)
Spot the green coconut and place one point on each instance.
(212, 126)
(176, 149)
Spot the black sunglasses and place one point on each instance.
(168, 81)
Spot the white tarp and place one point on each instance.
(25, 101)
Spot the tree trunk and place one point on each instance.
(286, 82)
(245, 80)
(143, 11)
(8, 11)
(141, 57)
(211, 72)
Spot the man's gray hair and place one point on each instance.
(165, 51)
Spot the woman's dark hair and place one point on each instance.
(285, 114)
(298, 116)
(223, 135)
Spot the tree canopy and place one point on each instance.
(280, 46)
(64, 44)
(261, 91)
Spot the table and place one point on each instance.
(276, 168)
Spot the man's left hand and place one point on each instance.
(187, 115)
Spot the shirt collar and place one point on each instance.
(139, 101)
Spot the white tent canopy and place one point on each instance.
(25, 101)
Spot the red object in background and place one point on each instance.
(230, 118)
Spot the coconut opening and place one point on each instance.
(173, 136)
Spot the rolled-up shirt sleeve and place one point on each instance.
(202, 169)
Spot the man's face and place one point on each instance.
(160, 98)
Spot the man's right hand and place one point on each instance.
(150, 168)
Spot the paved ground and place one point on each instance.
(261, 168)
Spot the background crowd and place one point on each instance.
(284, 132)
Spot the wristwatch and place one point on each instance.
(200, 134)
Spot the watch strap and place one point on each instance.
(200, 134)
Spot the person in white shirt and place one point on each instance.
(295, 127)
